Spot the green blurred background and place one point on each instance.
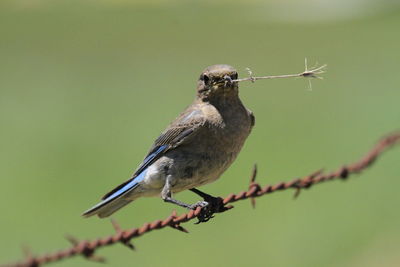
(86, 86)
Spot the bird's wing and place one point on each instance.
(185, 126)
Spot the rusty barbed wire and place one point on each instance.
(87, 248)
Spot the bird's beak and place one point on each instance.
(226, 81)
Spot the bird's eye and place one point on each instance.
(234, 76)
(205, 78)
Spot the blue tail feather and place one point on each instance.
(115, 201)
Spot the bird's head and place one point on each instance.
(216, 82)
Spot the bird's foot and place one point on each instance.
(209, 206)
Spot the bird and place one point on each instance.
(194, 150)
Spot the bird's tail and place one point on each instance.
(116, 199)
(106, 209)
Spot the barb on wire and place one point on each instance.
(312, 73)
(253, 186)
(118, 230)
(88, 248)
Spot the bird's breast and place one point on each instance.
(213, 148)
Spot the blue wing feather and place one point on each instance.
(146, 163)
(157, 151)
(129, 186)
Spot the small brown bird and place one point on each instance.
(195, 149)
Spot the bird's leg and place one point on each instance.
(166, 196)
(205, 196)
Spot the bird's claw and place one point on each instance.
(209, 206)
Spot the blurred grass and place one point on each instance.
(85, 89)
